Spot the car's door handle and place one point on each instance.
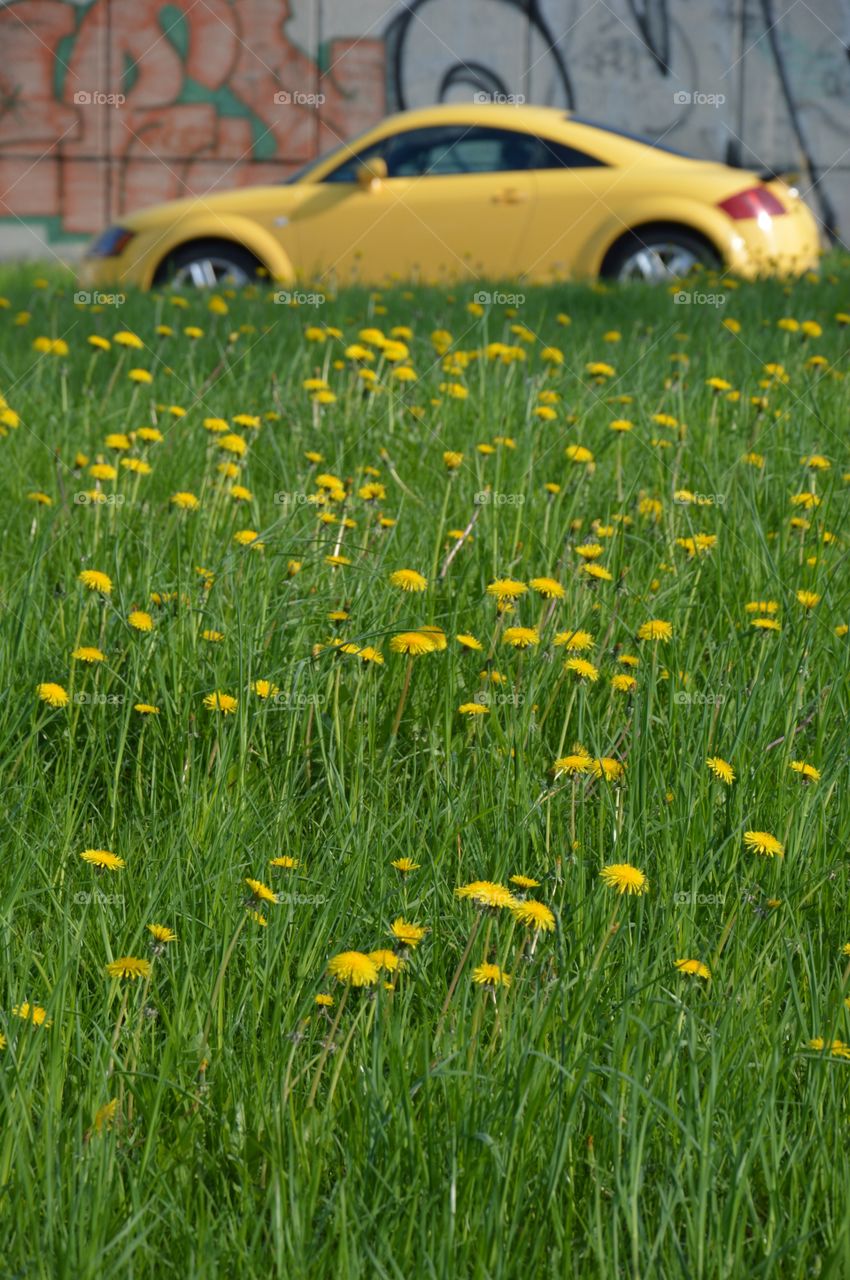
(511, 195)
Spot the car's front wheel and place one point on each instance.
(658, 256)
(207, 264)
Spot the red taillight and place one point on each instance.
(752, 202)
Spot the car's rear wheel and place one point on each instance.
(207, 264)
(658, 256)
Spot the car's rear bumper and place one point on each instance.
(785, 246)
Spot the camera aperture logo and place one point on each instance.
(295, 98)
(689, 98)
(488, 499)
(486, 298)
(95, 98)
(482, 99)
(686, 298)
(85, 298)
(288, 298)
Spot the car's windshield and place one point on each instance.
(338, 152)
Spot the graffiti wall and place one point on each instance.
(110, 105)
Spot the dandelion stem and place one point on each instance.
(456, 979)
(218, 985)
(326, 1048)
(404, 691)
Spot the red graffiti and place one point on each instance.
(133, 101)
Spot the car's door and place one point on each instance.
(573, 194)
(456, 203)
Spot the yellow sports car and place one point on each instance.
(479, 192)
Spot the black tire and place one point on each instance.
(691, 249)
(222, 256)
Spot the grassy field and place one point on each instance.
(250, 1027)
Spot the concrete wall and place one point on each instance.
(109, 105)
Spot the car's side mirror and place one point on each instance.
(371, 174)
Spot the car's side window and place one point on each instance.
(445, 150)
(557, 155)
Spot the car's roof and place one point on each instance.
(517, 116)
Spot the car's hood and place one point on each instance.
(243, 200)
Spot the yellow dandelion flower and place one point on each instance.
(408, 580)
(405, 864)
(577, 762)
(223, 702)
(506, 589)
(94, 580)
(89, 654)
(574, 641)
(583, 669)
(762, 842)
(53, 694)
(413, 643)
(184, 501)
(260, 892)
(655, 629)
(103, 859)
(265, 689)
(694, 968)
(597, 571)
(406, 932)
(487, 893)
(549, 588)
(248, 538)
(721, 769)
(806, 771)
(161, 934)
(625, 878)
(534, 915)
(521, 637)
(354, 969)
(490, 975)
(129, 967)
(33, 1013)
